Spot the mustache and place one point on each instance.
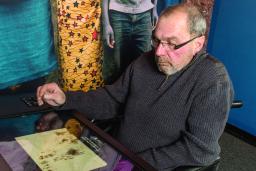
(161, 59)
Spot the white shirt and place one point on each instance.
(131, 6)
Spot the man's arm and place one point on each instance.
(198, 144)
(108, 33)
(154, 13)
(103, 103)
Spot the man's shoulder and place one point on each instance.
(212, 64)
(213, 60)
(212, 69)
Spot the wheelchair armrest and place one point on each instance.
(237, 104)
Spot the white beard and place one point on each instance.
(167, 69)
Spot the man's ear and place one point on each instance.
(199, 43)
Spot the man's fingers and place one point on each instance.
(50, 94)
(39, 98)
(111, 45)
(37, 91)
(49, 97)
(53, 99)
(111, 41)
(45, 90)
(108, 42)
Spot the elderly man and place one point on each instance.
(174, 100)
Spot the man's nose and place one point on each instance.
(160, 50)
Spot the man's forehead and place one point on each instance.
(170, 27)
(178, 18)
(165, 37)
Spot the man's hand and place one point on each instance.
(108, 35)
(50, 94)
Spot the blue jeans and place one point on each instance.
(132, 34)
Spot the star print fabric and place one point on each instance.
(80, 48)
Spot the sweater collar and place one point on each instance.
(196, 59)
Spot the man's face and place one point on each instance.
(173, 30)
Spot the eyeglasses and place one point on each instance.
(168, 45)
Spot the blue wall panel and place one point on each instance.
(232, 39)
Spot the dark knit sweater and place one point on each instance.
(169, 121)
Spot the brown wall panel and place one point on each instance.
(206, 7)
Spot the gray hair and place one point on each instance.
(196, 21)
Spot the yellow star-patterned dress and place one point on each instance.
(80, 48)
